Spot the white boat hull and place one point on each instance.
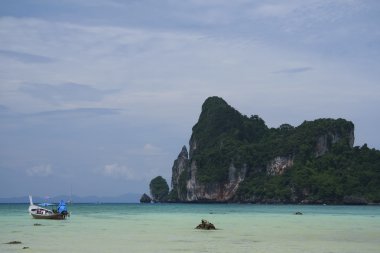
(56, 216)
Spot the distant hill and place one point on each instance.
(235, 158)
(126, 198)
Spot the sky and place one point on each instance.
(100, 96)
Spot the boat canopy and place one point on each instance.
(62, 207)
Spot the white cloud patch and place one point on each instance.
(319, 10)
(275, 10)
(150, 149)
(124, 172)
(43, 170)
(120, 171)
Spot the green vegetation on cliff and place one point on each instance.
(325, 167)
(342, 172)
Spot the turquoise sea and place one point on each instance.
(170, 228)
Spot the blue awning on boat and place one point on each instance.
(62, 207)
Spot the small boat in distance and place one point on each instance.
(39, 212)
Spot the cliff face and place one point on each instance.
(279, 165)
(325, 141)
(235, 158)
(214, 191)
(195, 191)
(180, 168)
(186, 182)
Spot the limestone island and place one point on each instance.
(239, 159)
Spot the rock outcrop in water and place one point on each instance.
(13, 242)
(206, 225)
(159, 189)
(145, 198)
(235, 158)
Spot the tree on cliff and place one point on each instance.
(159, 189)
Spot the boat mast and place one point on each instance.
(30, 200)
(71, 194)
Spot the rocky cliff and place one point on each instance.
(235, 158)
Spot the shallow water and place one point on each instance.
(170, 228)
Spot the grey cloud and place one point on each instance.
(293, 70)
(25, 57)
(78, 112)
(67, 92)
(4, 109)
(51, 121)
(166, 57)
(9, 118)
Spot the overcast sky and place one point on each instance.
(102, 94)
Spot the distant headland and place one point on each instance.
(125, 198)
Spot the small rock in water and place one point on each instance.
(298, 213)
(25, 248)
(206, 225)
(13, 242)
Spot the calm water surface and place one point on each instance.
(170, 228)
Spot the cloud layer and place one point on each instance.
(112, 90)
